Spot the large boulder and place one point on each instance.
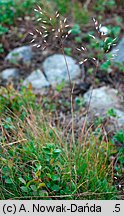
(23, 53)
(56, 68)
(100, 100)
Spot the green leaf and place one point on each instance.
(55, 177)
(24, 189)
(78, 39)
(22, 180)
(43, 193)
(33, 187)
(31, 181)
(57, 151)
(37, 174)
(67, 51)
(75, 30)
(41, 185)
(8, 181)
(55, 188)
(111, 112)
(119, 136)
(60, 86)
(105, 65)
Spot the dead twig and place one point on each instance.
(10, 144)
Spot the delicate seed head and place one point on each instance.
(39, 19)
(66, 26)
(57, 14)
(32, 40)
(36, 10)
(39, 7)
(69, 32)
(37, 30)
(92, 36)
(94, 19)
(44, 27)
(78, 49)
(65, 20)
(85, 60)
(115, 39)
(31, 33)
(83, 48)
(45, 35)
(38, 46)
(34, 45)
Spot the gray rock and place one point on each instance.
(102, 100)
(116, 123)
(9, 73)
(23, 53)
(37, 79)
(120, 117)
(120, 54)
(56, 70)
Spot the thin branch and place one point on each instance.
(10, 144)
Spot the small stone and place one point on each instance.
(104, 30)
(9, 73)
(56, 70)
(23, 53)
(37, 79)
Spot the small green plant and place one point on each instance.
(119, 136)
(79, 102)
(7, 12)
(105, 66)
(114, 31)
(67, 50)
(1, 48)
(119, 139)
(35, 168)
(60, 86)
(78, 39)
(112, 113)
(120, 66)
(75, 30)
(10, 99)
(81, 14)
(63, 6)
(46, 176)
(101, 6)
(3, 30)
